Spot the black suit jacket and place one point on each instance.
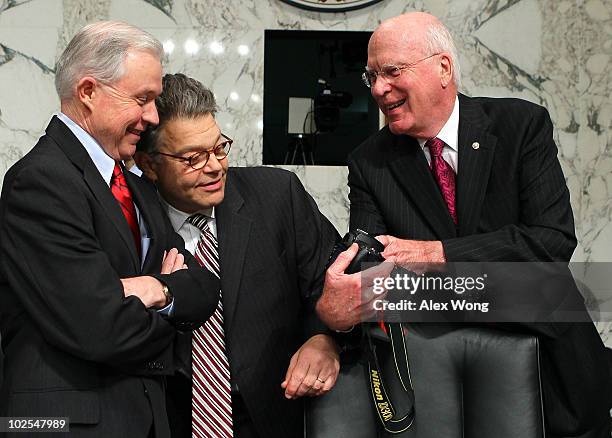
(512, 205)
(74, 345)
(273, 247)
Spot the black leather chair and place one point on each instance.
(467, 382)
(1, 361)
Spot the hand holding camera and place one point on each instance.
(347, 293)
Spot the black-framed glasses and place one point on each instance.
(389, 72)
(198, 160)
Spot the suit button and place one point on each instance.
(475, 145)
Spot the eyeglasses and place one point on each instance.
(198, 160)
(389, 72)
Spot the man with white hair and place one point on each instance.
(93, 279)
(453, 178)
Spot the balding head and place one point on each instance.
(413, 73)
(409, 27)
(421, 32)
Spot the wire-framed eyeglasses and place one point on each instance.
(389, 72)
(199, 159)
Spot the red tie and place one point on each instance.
(443, 174)
(122, 194)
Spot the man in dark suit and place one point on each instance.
(459, 179)
(273, 244)
(92, 286)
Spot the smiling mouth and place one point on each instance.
(210, 184)
(134, 131)
(395, 105)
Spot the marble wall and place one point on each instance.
(556, 53)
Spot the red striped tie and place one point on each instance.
(211, 401)
(443, 174)
(122, 194)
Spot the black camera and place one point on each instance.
(370, 250)
(327, 106)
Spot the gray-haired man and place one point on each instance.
(91, 282)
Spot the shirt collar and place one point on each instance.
(449, 133)
(178, 217)
(104, 163)
(135, 170)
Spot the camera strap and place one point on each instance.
(382, 403)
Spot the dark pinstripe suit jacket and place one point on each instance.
(74, 345)
(512, 205)
(273, 247)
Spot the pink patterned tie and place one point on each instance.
(444, 175)
(211, 389)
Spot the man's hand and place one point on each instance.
(149, 289)
(415, 255)
(347, 298)
(172, 261)
(313, 369)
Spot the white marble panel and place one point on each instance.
(520, 43)
(139, 13)
(28, 106)
(555, 53)
(327, 185)
(31, 28)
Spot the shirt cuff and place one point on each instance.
(167, 311)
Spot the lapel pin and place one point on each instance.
(475, 145)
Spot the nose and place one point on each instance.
(213, 164)
(380, 87)
(149, 114)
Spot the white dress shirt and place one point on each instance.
(449, 134)
(189, 232)
(105, 165)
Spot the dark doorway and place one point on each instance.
(331, 110)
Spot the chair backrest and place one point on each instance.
(476, 382)
(468, 383)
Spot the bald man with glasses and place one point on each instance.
(453, 178)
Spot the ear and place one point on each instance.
(87, 91)
(146, 164)
(446, 70)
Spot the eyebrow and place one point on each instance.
(400, 64)
(198, 148)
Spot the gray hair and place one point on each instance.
(98, 50)
(182, 98)
(438, 39)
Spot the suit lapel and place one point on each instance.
(144, 207)
(110, 205)
(233, 228)
(76, 153)
(476, 151)
(411, 170)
